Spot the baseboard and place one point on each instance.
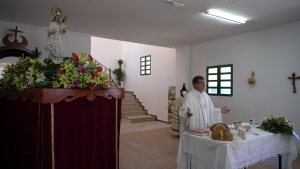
(163, 121)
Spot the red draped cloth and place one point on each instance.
(84, 134)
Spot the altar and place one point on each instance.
(60, 128)
(195, 151)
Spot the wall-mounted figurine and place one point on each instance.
(251, 80)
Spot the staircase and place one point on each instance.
(133, 111)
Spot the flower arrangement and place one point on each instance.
(81, 71)
(277, 125)
(26, 73)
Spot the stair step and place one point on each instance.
(128, 94)
(134, 113)
(136, 110)
(139, 118)
(132, 107)
(128, 106)
(133, 110)
(130, 101)
(130, 98)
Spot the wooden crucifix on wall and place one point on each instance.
(15, 43)
(294, 81)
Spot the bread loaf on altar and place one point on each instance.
(220, 131)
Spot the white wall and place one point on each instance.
(152, 90)
(274, 54)
(182, 68)
(37, 37)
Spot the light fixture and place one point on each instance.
(225, 16)
(178, 4)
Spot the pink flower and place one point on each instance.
(74, 83)
(91, 58)
(61, 72)
(82, 69)
(91, 86)
(99, 69)
(96, 74)
(104, 86)
(75, 57)
(28, 57)
(25, 80)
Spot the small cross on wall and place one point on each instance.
(294, 81)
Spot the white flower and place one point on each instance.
(67, 85)
(30, 80)
(40, 77)
(30, 71)
(86, 64)
(32, 61)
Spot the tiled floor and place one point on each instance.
(127, 127)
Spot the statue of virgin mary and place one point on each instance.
(55, 42)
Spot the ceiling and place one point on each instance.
(154, 22)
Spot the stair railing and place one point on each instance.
(109, 70)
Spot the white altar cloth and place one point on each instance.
(256, 148)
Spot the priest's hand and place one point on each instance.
(225, 110)
(189, 113)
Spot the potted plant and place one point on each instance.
(120, 63)
(119, 75)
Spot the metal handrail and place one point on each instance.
(105, 69)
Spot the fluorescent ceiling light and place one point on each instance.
(178, 4)
(225, 16)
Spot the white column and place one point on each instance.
(182, 68)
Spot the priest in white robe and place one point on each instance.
(198, 109)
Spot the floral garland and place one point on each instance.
(81, 71)
(277, 125)
(26, 73)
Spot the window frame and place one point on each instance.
(145, 65)
(219, 80)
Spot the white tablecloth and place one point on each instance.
(193, 150)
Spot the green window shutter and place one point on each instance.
(219, 80)
(145, 65)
